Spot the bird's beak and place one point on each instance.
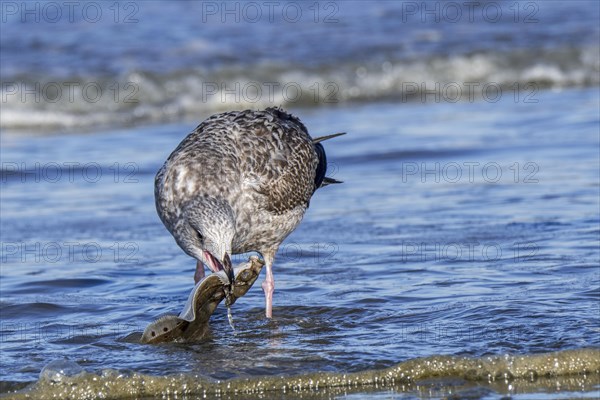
(225, 265)
(229, 291)
(216, 265)
(212, 261)
(228, 269)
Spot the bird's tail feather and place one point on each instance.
(323, 138)
(329, 181)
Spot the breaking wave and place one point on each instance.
(575, 370)
(139, 97)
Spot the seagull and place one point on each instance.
(240, 182)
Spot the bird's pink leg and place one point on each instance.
(199, 272)
(269, 284)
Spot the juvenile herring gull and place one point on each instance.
(240, 182)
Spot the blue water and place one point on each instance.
(466, 228)
(95, 38)
(127, 63)
(389, 266)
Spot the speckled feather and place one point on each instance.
(255, 170)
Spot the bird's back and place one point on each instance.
(278, 159)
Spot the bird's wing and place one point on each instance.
(279, 161)
(267, 154)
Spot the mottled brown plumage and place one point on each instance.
(241, 181)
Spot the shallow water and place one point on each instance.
(406, 259)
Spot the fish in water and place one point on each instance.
(192, 322)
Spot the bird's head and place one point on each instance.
(215, 238)
(207, 232)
